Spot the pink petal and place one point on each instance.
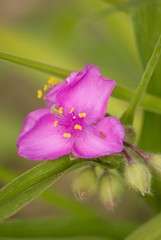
(71, 79)
(104, 138)
(44, 141)
(31, 120)
(50, 97)
(86, 91)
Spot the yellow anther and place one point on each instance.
(45, 87)
(67, 135)
(55, 123)
(82, 115)
(71, 110)
(52, 81)
(39, 94)
(60, 110)
(78, 127)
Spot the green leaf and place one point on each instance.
(149, 102)
(148, 231)
(128, 116)
(66, 227)
(54, 198)
(46, 68)
(32, 183)
(147, 22)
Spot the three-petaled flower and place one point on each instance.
(79, 125)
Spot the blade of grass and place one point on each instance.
(32, 183)
(54, 198)
(128, 116)
(149, 102)
(43, 67)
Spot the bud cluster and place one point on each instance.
(108, 179)
(107, 184)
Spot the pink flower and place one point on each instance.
(79, 126)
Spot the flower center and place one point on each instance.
(71, 124)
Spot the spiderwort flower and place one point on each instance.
(79, 125)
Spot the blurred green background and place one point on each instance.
(67, 34)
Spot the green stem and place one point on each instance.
(43, 67)
(149, 102)
(128, 116)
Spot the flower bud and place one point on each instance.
(138, 177)
(130, 134)
(85, 184)
(155, 163)
(110, 188)
(99, 171)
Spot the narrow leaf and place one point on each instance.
(43, 67)
(32, 183)
(128, 116)
(149, 102)
(54, 198)
(147, 21)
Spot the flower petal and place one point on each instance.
(86, 91)
(104, 138)
(31, 120)
(44, 140)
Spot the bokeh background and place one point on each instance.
(67, 34)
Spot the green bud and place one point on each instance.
(99, 171)
(155, 163)
(130, 134)
(85, 184)
(110, 188)
(138, 177)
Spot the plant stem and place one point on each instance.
(127, 117)
(43, 67)
(128, 157)
(138, 151)
(149, 102)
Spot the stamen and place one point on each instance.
(55, 123)
(67, 135)
(45, 87)
(81, 115)
(60, 110)
(71, 110)
(79, 127)
(52, 81)
(74, 117)
(39, 94)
